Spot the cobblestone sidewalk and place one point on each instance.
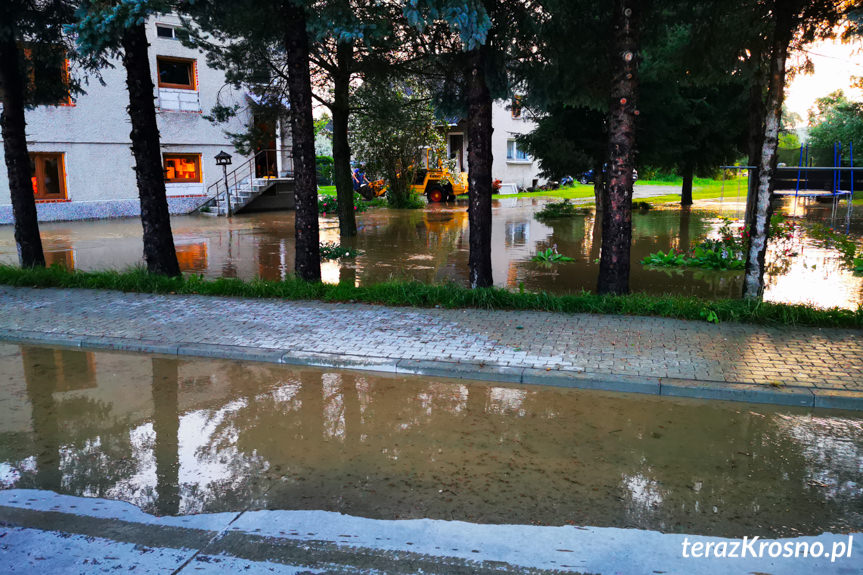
(626, 353)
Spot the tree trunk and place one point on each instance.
(617, 212)
(479, 159)
(753, 280)
(159, 252)
(341, 147)
(307, 263)
(756, 133)
(13, 122)
(686, 188)
(598, 184)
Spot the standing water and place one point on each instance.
(193, 436)
(431, 245)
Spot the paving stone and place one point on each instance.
(379, 337)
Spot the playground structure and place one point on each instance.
(829, 182)
(809, 180)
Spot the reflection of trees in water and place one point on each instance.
(166, 426)
(79, 443)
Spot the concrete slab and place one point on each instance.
(838, 399)
(127, 344)
(608, 382)
(475, 371)
(341, 361)
(230, 352)
(783, 395)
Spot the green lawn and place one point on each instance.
(702, 189)
(451, 296)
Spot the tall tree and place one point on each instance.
(617, 215)
(357, 44)
(38, 26)
(793, 22)
(493, 35)
(272, 57)
(104, 29)
(307, 263)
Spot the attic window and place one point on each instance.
(171, 32)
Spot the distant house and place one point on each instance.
(511, 164)
(82, 165)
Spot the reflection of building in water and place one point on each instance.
(62, 257)
(517, 233)
(69, 370)
(192, 257)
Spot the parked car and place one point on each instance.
(587, 177)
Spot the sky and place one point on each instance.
(835, 63)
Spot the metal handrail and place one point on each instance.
(244, 172)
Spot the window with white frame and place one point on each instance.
(514, 153)
(170, 32)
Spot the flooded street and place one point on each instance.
(195, 436)
(431, 245)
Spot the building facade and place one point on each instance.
(82, 164)
(510, 165)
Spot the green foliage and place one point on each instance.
(468, 18)
(550, 255)
(100, 25)
(324, 169)
(376, 202)
(555, 210)
(835, 118)
(334, 251)
(709, 315)
(642, 205)
(36, 28)
(727, 252)
(394, 122)
(330, 204)
(858, 265)
(444, 295)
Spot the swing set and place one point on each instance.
(808, 181)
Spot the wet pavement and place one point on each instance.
(431, 245)
(789, 365)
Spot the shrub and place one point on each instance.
(324, 169)
(334, 251)
(555, 210)
(550, 255)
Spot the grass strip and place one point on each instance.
(416, 294)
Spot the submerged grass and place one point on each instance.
(444, 295)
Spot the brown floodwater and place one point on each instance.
(183, 436)
(431, 245)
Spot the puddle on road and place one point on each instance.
(192, 436)
(431, 245)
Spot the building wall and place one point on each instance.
(522, 173)
(93, 135)
(511, 171)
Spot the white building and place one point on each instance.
(82, 161)
(510, 165)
